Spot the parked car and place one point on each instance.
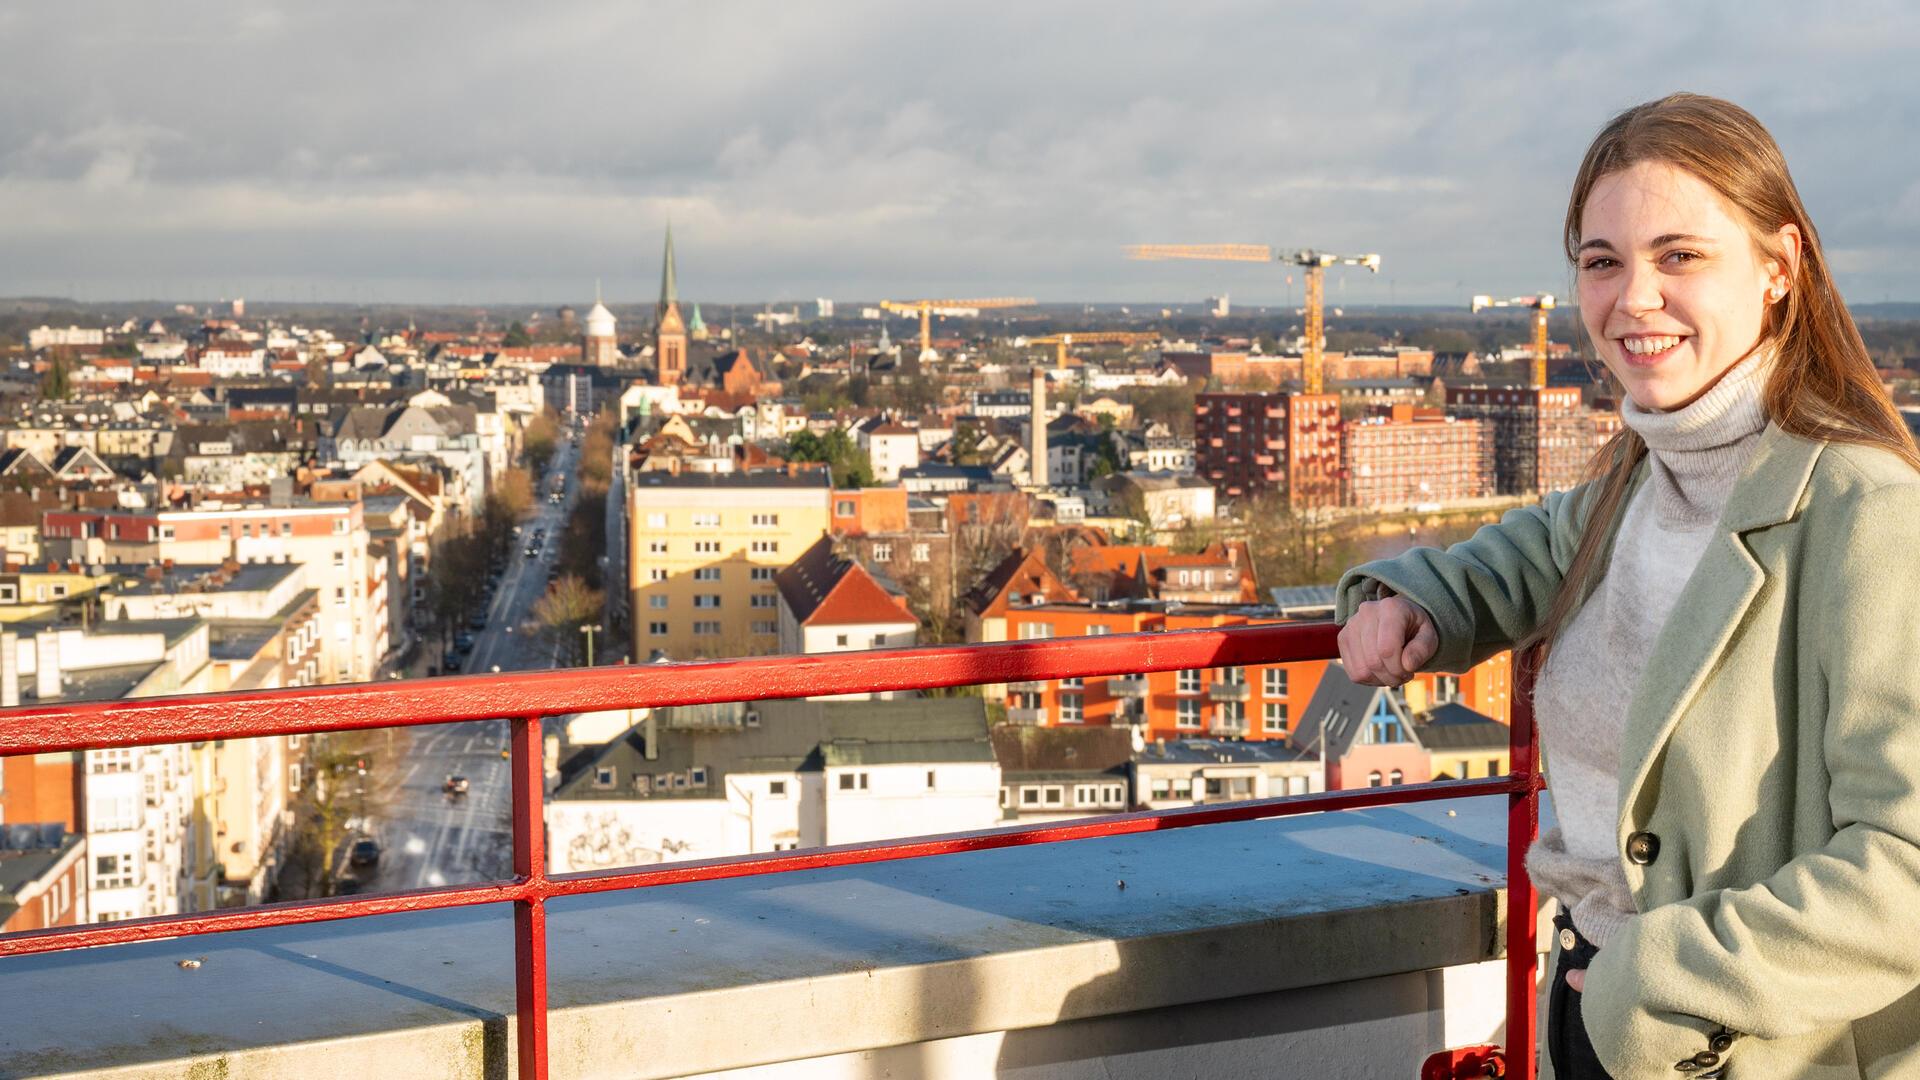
(364, 853)
(451, 662)
(478, 621)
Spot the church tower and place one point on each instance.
(600, 347)
(670, 335)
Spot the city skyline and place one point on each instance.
(867, 152)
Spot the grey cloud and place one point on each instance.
(861, 149)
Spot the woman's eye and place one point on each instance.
(1683, 256)
(1598, 263)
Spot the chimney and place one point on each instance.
(46, 665)
(9, 670)
(1038, 420)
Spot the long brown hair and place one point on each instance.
(1822, 386)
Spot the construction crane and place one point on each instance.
(1316, 262)
(1541, 304)
(927, 307)
(1090, 337)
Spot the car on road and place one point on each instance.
(365, 852)
(463, 641)
(478, 621)
(451, 662)
(456, 785)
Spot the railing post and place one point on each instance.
(529, 914)
(1523, 825)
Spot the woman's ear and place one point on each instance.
(1787, 240)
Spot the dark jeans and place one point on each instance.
(1567, 1045)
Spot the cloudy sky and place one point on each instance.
(479, 153)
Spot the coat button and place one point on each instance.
(1706, 1059)
(1720, 1042)
(1686, 1066)
(1567, 940)
(1643, 848)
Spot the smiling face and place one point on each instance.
(1672, 288)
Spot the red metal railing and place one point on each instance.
(526, 698)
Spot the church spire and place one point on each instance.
(669, 287)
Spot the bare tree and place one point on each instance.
(567, 606)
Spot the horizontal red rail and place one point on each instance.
(99, 725)
(680, 873)
(525, 698)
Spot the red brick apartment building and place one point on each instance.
(1542, 436)
(1411, 457)
(1246, 444)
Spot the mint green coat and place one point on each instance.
(1773, 748)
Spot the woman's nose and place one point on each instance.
(1640, 290)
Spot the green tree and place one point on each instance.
(56, 384)
(517, 337)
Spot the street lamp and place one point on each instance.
(590, 629)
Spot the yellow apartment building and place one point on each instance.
(702, 552)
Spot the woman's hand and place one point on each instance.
(1386, 641)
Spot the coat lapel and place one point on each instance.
(1711, 605)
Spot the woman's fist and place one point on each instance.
(1386, 641)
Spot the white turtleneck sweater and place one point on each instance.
(1580, 702)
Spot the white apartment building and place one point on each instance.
(775, 776)
(890, 448)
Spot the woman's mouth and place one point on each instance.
(1650, 348)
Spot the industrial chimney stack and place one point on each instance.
(1038, 398)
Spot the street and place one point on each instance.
(429, 837)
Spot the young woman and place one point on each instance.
(1730, 693)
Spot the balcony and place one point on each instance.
(997, 952)
(1127, 686)
(1027, 686)
(1028, 717)
(1228, 691)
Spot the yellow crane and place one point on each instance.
(926, 309)
(1541, 304)
(1090, 337)
(1316, 262)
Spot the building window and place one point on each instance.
(657, 574)
(339, 560)
(707, 573)
(843, 508)
(765, 600)
(226, 532)
(840, 640)
(706, 600)
(1233, 716)
(706, 547)
(339, 598)
(930, 779)
(1072, 708)
(1029, 796)
(706, 521)
(1086, 794)
(340, 526)
(656, 521)
(656, 547)
(1187, 682)
(603, 776)
(698, 778)
(166, 532)
(883, 553)
(1187, 713)
(1055, 796)
(765, 627)
(657, 629)
(1446, 688)
(1396, 777)
(1275, 681)
(1159, 789)
(922, 552)
(765, 547)
(1035, 631)
(777, 789)
(761, 573)
(286, 528)
(657, 602)
(1373, 779)
(1384, 726)
(1233, 676)
(851, 781)
(766, 520)
(1275, 718)
(707, 629)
